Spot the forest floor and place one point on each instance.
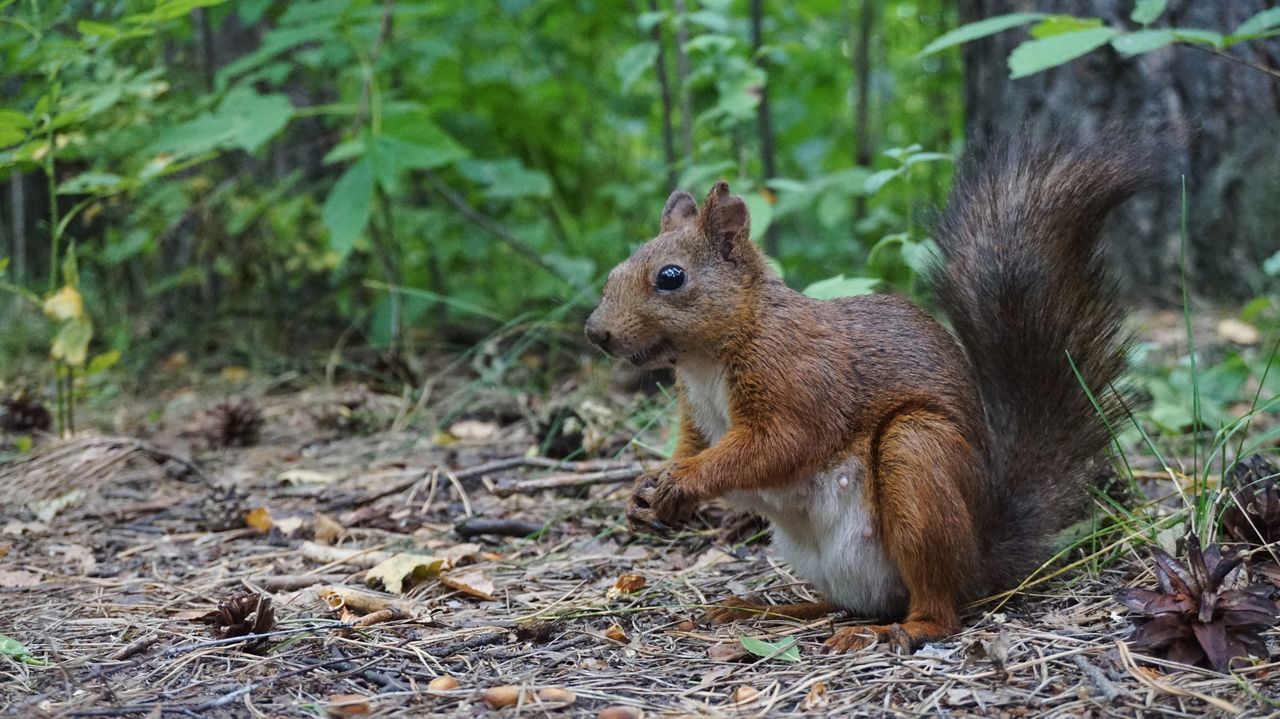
(115, 558)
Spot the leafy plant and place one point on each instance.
(1059, 39)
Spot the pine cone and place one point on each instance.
(1253, 514)
(234, 423)
(222, 509)
(1195, 617)
(23, 413)
(241, 614)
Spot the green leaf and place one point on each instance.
(1271, 265)
(91, 183)
(1145, 12)
(1259, 23)
(841, 286)
(979, 29)
(244, 120)
(103, 362)
(346, 209)
(1204, 37)
(172, 10)
(93, 28)
(713, 21)
(71, 344)
(420, 141)
(1142, 41)
(648, 20)
(4, 264)
(1037, 55)
(13, 127)
(1062, 24)
(785, 649)
(13, 648)
(879, 179)
(634, 62)
(507, 179)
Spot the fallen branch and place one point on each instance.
(482, 526)
(564, 481)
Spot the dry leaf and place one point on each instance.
(443, 683)
(558, 697)
(349, 705)
(47, 509)
(473, 430)
(364, 601)
(745, 695)
(10, 579)
(400, 572)
(325, 554)
(817, 697)
(259, 518)
(289, 526)
(327, 529)
(629, 584)
(503, 696)
(728, 652)
(616, 633)
(1238, 332)
(474, 583)
(305, 476)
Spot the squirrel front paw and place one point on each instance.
(658, 502)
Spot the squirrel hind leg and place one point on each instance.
(924, 476)
(736, 609)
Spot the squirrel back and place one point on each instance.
(1023, 282)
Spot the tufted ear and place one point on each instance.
(724, 220)
(680, 209)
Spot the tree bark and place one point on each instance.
(1223, 119)
(863, 145)
(682, 81)
(664, 87)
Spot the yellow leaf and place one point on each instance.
(71, 344)
(235, 374)
(401, 571)
(259, 519)
(65, 304)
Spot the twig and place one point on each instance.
(1228, 56)
(481, 470)
(562, 481)
(479, 526)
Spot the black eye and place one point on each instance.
(670, 278)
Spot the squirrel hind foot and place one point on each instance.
(904, 638)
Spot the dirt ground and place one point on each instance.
(106, 588)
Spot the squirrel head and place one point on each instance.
(685, 290)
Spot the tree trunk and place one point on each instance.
(1226, 117)
(764, 117)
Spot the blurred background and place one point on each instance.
(374, 191)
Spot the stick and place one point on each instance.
(478, 526)
(562, 481)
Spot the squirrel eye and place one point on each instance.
(670, 278)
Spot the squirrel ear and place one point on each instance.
(724, 219)
(680, 208)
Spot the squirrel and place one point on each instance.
(905, 470)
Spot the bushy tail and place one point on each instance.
(1022, 280)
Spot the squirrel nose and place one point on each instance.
(598, 336)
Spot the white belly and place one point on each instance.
(821, 527)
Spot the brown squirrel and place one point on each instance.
(903, 473)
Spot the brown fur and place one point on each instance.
(967, 465)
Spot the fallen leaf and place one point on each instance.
(401, 569)
(327, 529)
(616, 633)
(503, 696)
(442, 683)
(745, 695)
(305, 476)
(348, 705)
(557, 697)
(726, 652)
(474, 583)
(14, 648)
(47, 509)
(816, 698)
(785, 650)
(629, 584)
(11, 579)
(473, 430)
(259, 518)
(1238, 332)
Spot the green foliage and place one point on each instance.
(1059, 39)
(240, 178)
(784, 649)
